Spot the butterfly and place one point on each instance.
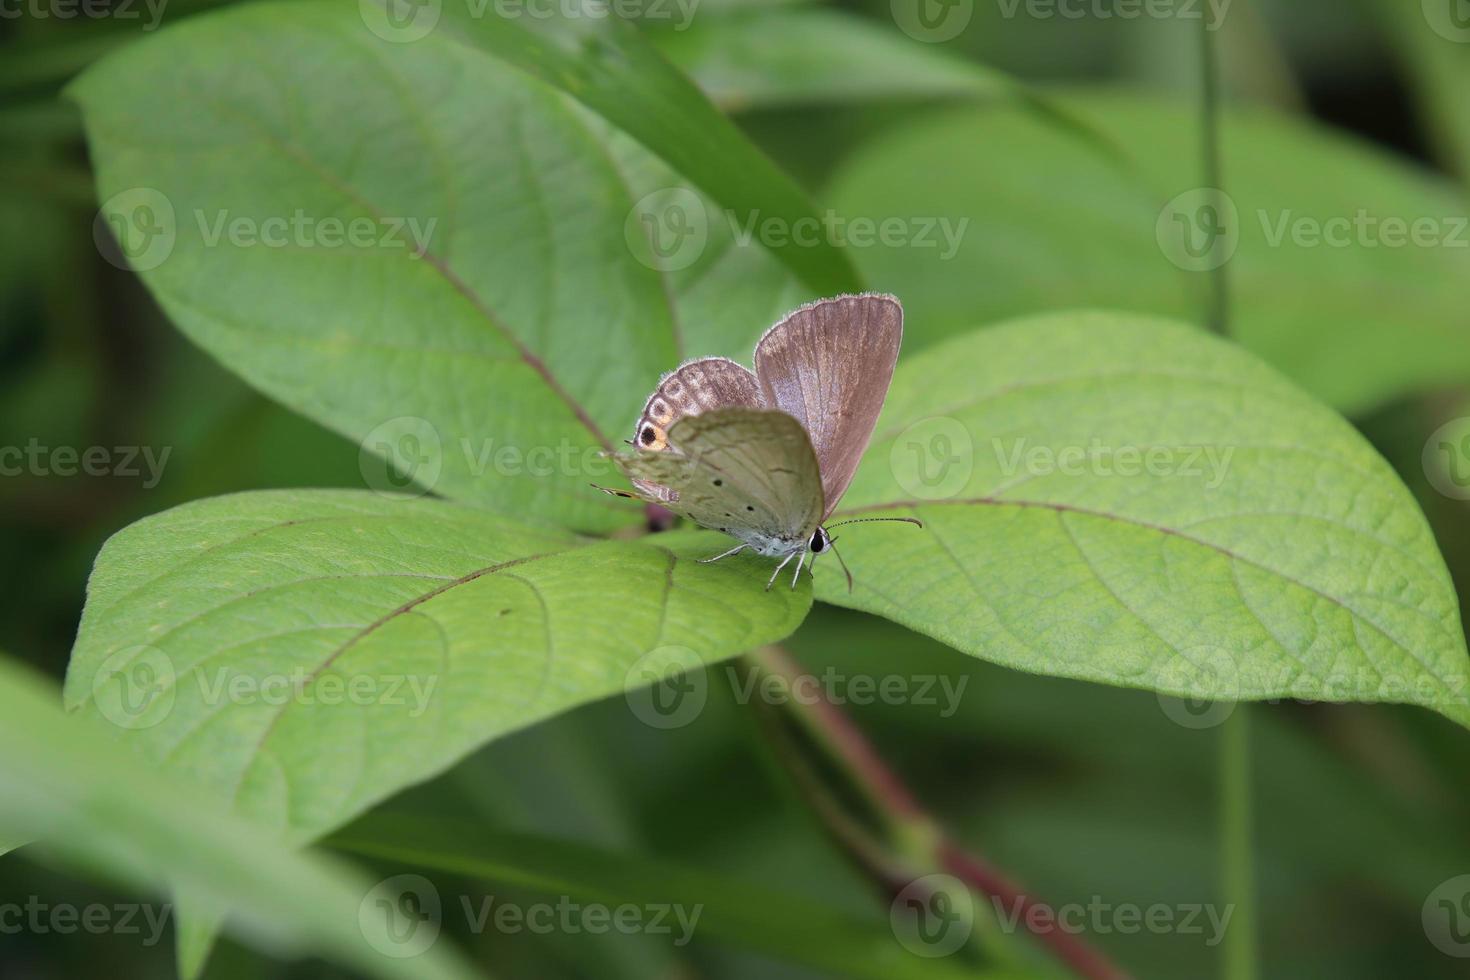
(766, 455)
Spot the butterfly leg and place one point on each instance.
(799, 562)
(733, 551)
(784, 562)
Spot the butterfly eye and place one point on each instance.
(819, 542)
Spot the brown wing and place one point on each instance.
(829, 365)
(693, 388)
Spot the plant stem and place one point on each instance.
(1219, 315)
(923, 846)
(1237, 874)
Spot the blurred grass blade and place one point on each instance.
(778, 57)
(781, 57)
(1433, 46)
(91, 803)
(608, 65)
(751, 916)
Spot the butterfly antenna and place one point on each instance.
(871, 520)
(832, 543)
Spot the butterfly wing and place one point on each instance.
(693, 388)
(829, 365)
(750, 473)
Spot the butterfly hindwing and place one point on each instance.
(694, 388)
(829, 365)
(751, 473)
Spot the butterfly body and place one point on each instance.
(766, 455)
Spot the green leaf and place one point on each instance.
(1052, 225)
(88, 802)
(1129, 501)
(304, 654)
(744, 914)
(495, 367)
(781, 57)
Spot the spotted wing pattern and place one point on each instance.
(693, 388)
(747, 472)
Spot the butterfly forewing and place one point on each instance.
(829, 365)
(750, 473)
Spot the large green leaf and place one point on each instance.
(86, 801)
(1355, 317)
(226, 638)
(733, 910)
(495, 366)
(1130, 501)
